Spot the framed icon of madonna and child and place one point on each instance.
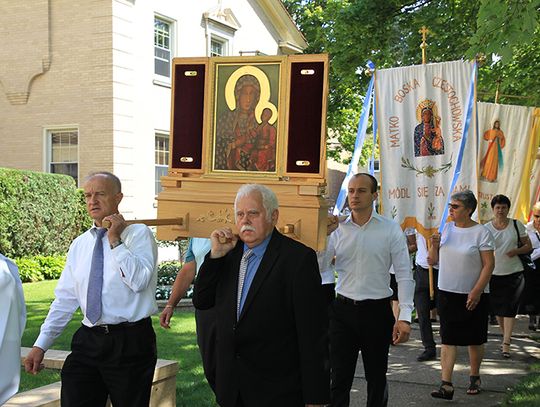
(246, 118)
(249, 116)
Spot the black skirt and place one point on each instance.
(530, 300)
(460, 326)
(505, 294)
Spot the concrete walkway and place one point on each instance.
(410, 382)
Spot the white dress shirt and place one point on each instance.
(12, 322)
(534, 236)
(422, 252)
(327, 275)
(364, 255)
(129, 282)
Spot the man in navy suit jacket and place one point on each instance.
(272, 345)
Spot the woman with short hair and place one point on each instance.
(507, 281)
(464, 251)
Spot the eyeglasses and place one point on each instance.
(454, 206)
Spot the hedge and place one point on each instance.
(39, 268)
(40, 214)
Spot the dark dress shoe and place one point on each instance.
(428, 354)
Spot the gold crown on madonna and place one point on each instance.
(426, 104)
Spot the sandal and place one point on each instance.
(505, 354)
(474, 385)
(445, 391)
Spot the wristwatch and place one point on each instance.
(116, 244)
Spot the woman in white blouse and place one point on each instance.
(531, 294)
(507, 281)
(464, 251)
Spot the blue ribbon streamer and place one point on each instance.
(358, 144)
(372, 163)
(457, 170)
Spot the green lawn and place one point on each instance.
(527, 392)
(178, 343)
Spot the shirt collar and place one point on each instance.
(261, 248)
(94, 229)
(374, 216)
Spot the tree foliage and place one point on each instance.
(387, 33)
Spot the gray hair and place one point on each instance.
(536, 206)
(269, 198)
(109, 175)
(467, 198)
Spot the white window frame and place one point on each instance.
(47, 135)
(376, 165)
(218, 33)
(157, 182)
(161, 79)
(222, 41)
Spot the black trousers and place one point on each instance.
(205, 321)
(119, 364)
(367, 327)
(423, 304)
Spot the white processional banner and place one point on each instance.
(421, 112)
(503, 152)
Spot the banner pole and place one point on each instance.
(430, 275)
(423, 46)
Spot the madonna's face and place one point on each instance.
(247, 97)
(426, 116)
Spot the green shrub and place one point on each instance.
(39, 213)
(39, 268)
(163, 293)
(29, 270)
(51, 266)
(167, 271)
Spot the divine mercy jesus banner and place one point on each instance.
(421, 113)
(504, 155)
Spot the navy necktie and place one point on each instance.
(95, 279)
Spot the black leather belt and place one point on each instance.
(360, 302)
(107, 328)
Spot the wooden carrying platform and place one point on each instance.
(239, 120)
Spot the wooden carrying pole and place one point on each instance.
(430, 275)
(431, 289)
(424, 31)
(150, 222)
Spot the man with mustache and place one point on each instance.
(365, 245)
(272, 345)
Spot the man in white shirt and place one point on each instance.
(12, 322)
(422, 299)
(111, 275)
(365, 245)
